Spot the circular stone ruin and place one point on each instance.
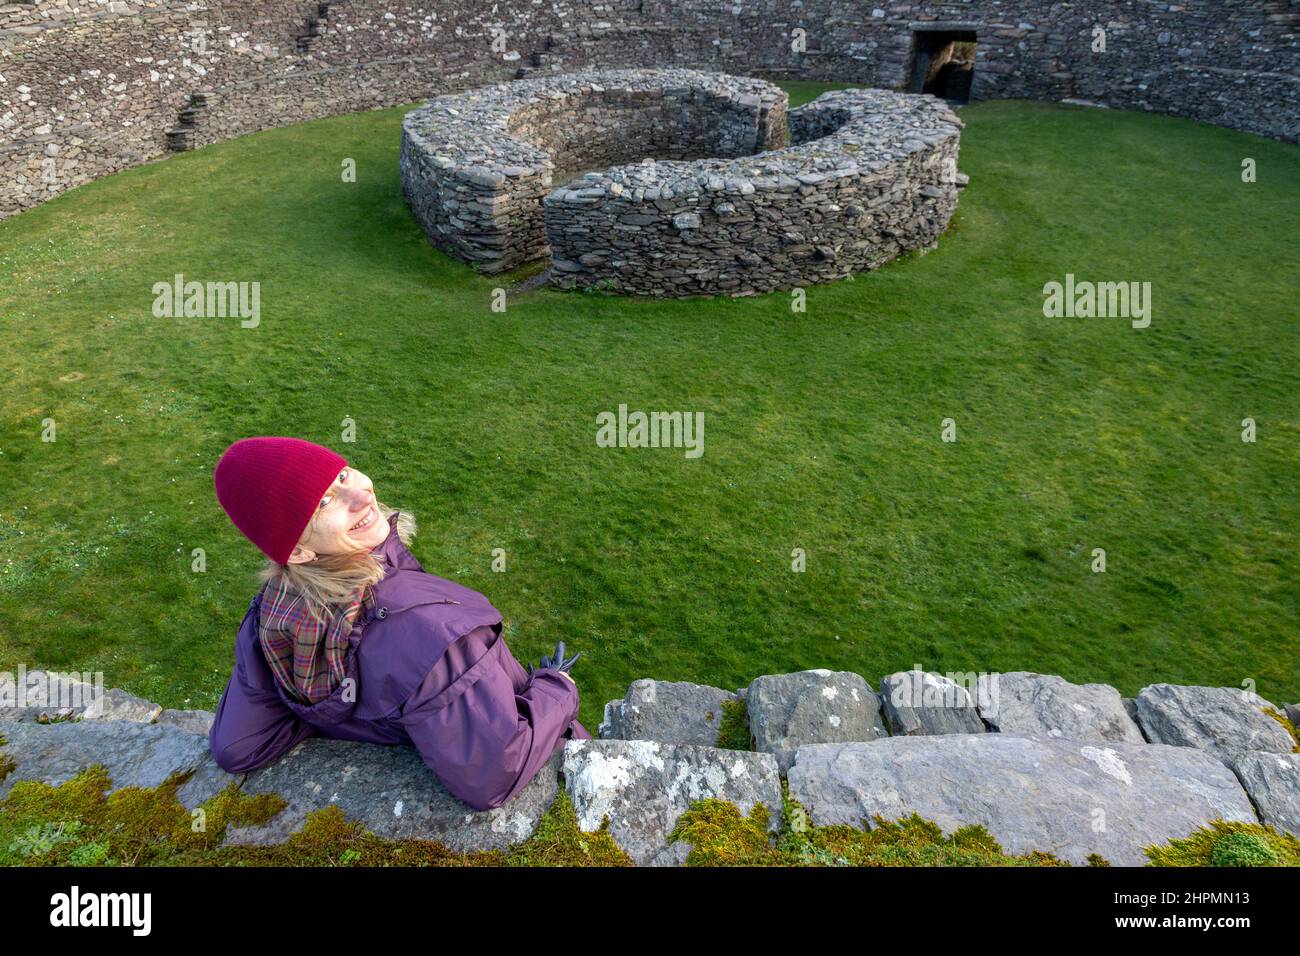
(704, 193)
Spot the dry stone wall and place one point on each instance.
(871, 174)
(476, 165)
(1037, 760)
(91, 86)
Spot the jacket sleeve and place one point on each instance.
(482, 734)
(253, 726)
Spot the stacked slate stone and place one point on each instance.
(872, 174)
(475, 166)
(1042, 763)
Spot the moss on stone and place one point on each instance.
(733, 731)
(721, 836)
(7, 763)
(79, 823)
(135, 826)
(558, 841)
(1242, 849)
(1228, 843)
(1290, 728)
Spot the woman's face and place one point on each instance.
(347, 519)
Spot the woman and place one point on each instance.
(351, 638)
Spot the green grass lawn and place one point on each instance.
(822, 428)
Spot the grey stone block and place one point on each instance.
(813, 706)
(1272, 781)
(644, 786)
(1224, 720)
(1068, 797)
(916, 702)
(668, 711)
(391, 792)
(133, 754)
(1028, 704)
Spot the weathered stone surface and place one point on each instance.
(1293, 714)
(1224, 720)
(644, 786)
(921, 702)
(393, 793)
(676, 712)
(1032, 793)
(1131, 708)
(1272, 782)
(117, 704)
(208, 780)
(190, 721)
(133, 754)
(1028, 704)
(813, 706)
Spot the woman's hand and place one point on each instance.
(565, 673)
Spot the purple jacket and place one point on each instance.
(433, 670)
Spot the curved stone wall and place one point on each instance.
(476, 165)
(872, 174)
(91, 86)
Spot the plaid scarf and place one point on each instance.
(306, 653)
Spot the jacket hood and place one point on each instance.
(406, 586)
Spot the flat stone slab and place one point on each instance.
(677, 712)
(1273, 783)
(1029, 704)
(1032, 793)
(1224, 720)
(921, 702)
(787, 711)
(644, 786)
(134, 754)
(392, 793)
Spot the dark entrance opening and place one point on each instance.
(943, 63)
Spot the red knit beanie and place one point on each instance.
(271, 487)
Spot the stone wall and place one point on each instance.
(475, 166)
(91, 86)
(871, 174)
(1043, 764)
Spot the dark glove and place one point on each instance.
(557, 660)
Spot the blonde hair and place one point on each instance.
(335, 579)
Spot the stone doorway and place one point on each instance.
(943, 61)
